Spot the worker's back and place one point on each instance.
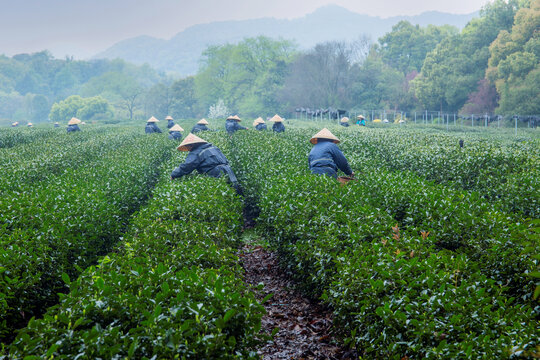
(232, 126)
(73, 128)
(326, 158)
(199, 127)
(278, 127)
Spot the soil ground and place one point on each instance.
(305, 327)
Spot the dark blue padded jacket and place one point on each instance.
(232, 126)
(326, 158)
(199, 127)
(206, 159)
(278, 127)
(72, 128)
(151, 128)
(175, 135)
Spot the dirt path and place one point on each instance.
(305, 330)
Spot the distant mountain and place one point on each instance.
(181, 53)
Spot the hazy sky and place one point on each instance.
(85, 27)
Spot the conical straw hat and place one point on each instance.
(56, 123)
(259, 120)
(83, 123)
(74, 121)
(15, 123)
(202, 122)
(189, 140)
(235, 118)
(176, 127)
(324, 134)
(360, 117)
(30, 124)
(153, 119)
(276, 118)
(169, 117)
(344, 119)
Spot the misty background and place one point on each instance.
(484, 62)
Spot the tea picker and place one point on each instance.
(232, 124)
(200, 126)
(344, 121)
(278, 126)
(259, 124)
(205, 158)
(151, 126)
(73, 125)
(175, 132)
(325, 158)
(170, 122)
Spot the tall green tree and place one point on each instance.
(238, 72)
(83, 108)
(158, 100)
(66, 109)
(452, 70)
(377, 85)
(122, 90)
(321, 77)
(95, 108)
(514, 64)
(40, 108)
(184, 103)
(405, 47)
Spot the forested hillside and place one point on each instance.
(31, 83)
(489, 67)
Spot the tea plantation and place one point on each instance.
(431, 253)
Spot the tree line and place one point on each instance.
(491, 66)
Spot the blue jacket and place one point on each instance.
(175, 135)
(170, 124)
(199, 127)
(206, 159)
(326, 158)
(151, 128)
(260, 127)
(278, 127)
(72, 128)
(232, 126)
(361, 122)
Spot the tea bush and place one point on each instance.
(411, 268)
(501, 170)
(62, 221)
(10, 137)
(427, 255)
(172, 289)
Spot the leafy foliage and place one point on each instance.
(452, 70)
(405, 47)
(248, 74)
(42, 77)
(83, 108)
(60, 211)
(410, 268)
(170, 290)
(514, 64)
